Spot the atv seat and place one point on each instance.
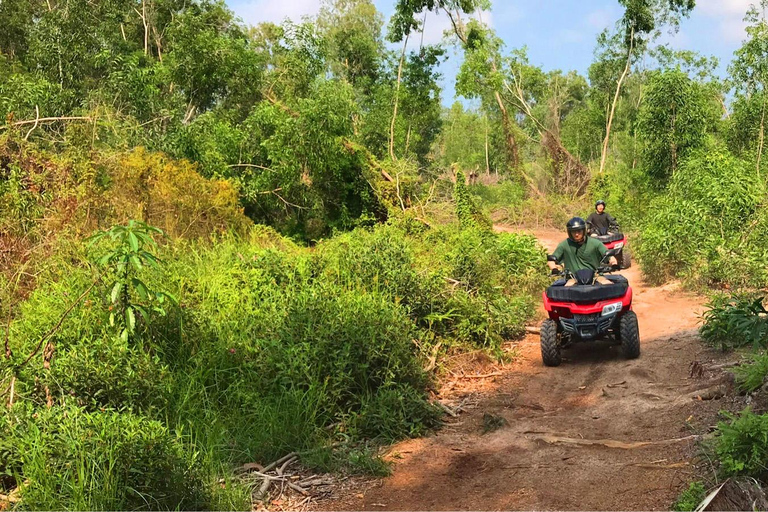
(581, 294)
(610, 237)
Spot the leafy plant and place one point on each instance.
(751, 376)
(690, 498)
(127, 256)
(741, 444)
(735, 321)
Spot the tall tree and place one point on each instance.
(639, 23)
(750, 72)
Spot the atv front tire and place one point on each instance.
(626, 258)
(550, 350)
(630, 335)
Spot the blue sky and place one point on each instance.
(559, 34)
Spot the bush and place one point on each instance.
(736, 320)
(69, 458)
(706, 228)
(272, 348)
(752, 375)
(742, 444)
(690, 498)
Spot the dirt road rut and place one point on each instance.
(597, 433)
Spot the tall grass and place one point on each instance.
(272, 348)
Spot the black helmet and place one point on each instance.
(599, 202)
(574, 225)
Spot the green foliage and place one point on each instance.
(691, 497)
(675, 118)
(735, 321)
(741, 444)
(128, 294)
(706, 227)
(467, 211)
(752, 375)
(73, 459)
(404, 19)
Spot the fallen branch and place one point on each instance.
(46, 120)
(485, 376)
(532, 330)
(447, 409)
(281, 460)
(608, 443)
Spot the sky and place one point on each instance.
(559, 34)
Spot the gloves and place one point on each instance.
(555, 272)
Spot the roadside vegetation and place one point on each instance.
(221, 244)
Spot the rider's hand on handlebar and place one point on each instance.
(613, 262)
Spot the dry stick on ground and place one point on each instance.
(608, 443)
(484, 376)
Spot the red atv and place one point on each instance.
(588, 312)
(614, 239)
(618, 242)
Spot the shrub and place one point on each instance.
(467, 211)
(690, 498)
(69, 458)
(742, 444)
(705, 229)
(736, 320)
(752, 375)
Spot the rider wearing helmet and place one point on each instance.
(600, 222)
(579, 251)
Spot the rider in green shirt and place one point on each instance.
(579, 251)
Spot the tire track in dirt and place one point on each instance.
(597, 433)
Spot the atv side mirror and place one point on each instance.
(551, 257)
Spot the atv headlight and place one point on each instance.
(612, 308)
(619, 245)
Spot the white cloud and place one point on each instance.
(258, 11)
(729, 15)
(730, 8)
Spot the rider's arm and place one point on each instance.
(558, 254)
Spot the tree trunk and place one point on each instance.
(615, 101)
(397, 96)
(762, 138)
(487, 161)
(509, 136)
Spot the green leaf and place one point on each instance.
(116, 291)
(130, 319)
(136, 262)
(140, 288)
(133, 241)
(143, 313)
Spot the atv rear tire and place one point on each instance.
(630, 335)
(550, 350)
(626, 258)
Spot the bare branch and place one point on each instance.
(37, 121)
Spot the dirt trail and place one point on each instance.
(597, 433)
